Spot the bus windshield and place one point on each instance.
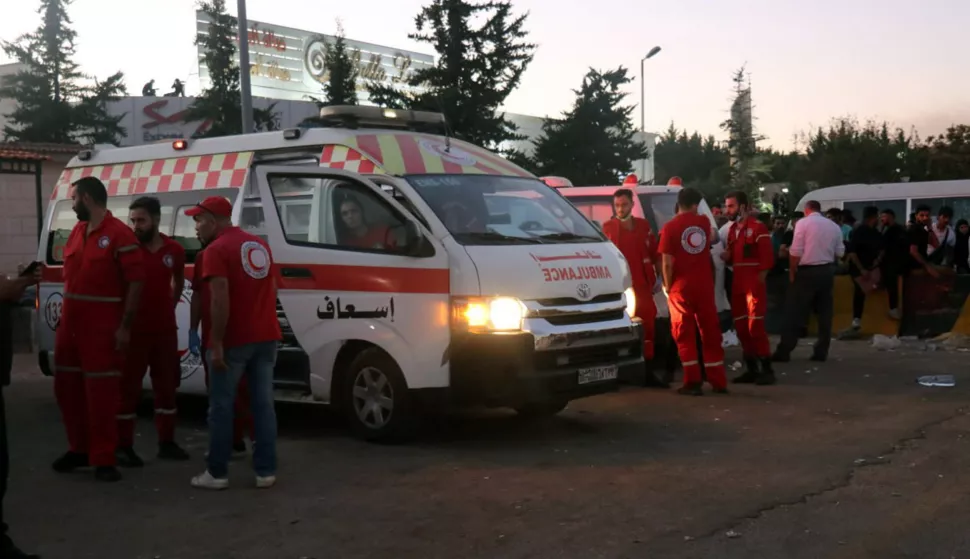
(489, 210)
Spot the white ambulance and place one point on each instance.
(485, 287)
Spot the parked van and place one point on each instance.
(485, 286)
(901, 197)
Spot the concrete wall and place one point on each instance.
(18, 213)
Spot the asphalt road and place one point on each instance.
(847, 459)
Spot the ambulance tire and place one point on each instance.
(373, 369)
(540, 410)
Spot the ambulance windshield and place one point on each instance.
(493, 210)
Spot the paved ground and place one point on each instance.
(848, 459)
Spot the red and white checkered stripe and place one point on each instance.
(348, 159)
(225, 170)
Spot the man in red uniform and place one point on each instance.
(688, 277)
(243, 336)
(103, 274)
(242, 418)
(635, 239)
(751, 253)
(154, 337)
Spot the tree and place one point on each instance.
(479, 65)
(341, 88)
(700, 162)
(220, 102)
(948, 155)
(593, 142)
(53, 103)
(748, 168)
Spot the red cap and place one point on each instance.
(215, 205)
(631, 180)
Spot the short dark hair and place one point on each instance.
(834, 212)
(889, 212)
(148, 203)
(779, 218)
(946, 211)
(741, 197)
(922, 208)
(813, 205)
(624, 193)
(961, 222)
(797, 215)
(94, 188)
(688, 197)
(870, 212)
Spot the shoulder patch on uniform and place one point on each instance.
(104, 241)
(255, 259)
(168, 261)
(693, 239)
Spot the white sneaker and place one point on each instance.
(856, 324)
(265, 482)
(206, 481)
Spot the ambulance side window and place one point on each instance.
(61, 225)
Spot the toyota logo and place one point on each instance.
(583, 291)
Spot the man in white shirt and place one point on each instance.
(946, 235)
(816, 246)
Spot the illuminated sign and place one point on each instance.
(289, 64)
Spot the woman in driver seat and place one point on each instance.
(355, 230)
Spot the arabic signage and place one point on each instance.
(288, 63)
(332, 311)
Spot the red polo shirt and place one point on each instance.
(639, 247)
(99, 266)
(686, 238)
(246, 262)
(375, 238)
(157, 308)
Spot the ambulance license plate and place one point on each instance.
(598, 374)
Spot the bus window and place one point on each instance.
(897, 206)
(959, 205)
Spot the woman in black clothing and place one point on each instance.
(961, 252)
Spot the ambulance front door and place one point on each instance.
(355, 272)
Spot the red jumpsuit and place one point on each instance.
(242, 416)
(98, 266)
(639, 247)
(750, 252)
(154, 345)
(691, 297)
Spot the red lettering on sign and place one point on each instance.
(576, 273)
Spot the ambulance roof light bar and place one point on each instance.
(556, 182)
(631, 180)
(675, 182)
(347, 116)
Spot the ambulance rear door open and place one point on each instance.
(341, 297)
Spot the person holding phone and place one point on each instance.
(10, 291)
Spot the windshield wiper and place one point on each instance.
(566, 236)
(498, 238)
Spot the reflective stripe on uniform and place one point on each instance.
(737, 318)
(128, 248)
(164, 411)
(747, 264)
(715, 364)
(763, 237)
(67, 369)
(94, 298)
(757, 318)
(688, 363)
(104, 374)
(127, 416)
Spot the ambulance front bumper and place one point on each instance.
(544, 364)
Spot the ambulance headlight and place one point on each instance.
(631, 302)
(488, 314)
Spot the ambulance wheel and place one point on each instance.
(540, 410)
(375, 398)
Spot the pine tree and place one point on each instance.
(220, 102)
(48, 88)
(341, 87)
(97, 126)
(482, 54)
(748, 168)
(593, 142)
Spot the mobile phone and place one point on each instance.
(29, 270)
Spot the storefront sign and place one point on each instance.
(289, 64)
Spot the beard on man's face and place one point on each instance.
(145, 236)
(82, 212)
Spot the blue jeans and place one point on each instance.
(256, 361)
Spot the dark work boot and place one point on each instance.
(127, 458)
(107, 473)
(169, 450)
(767, 375)
(692, 389)
(70, 462)
(751, 372)
(651, 380)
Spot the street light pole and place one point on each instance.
(245, 91)
(643, 95)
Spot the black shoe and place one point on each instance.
(766, 368)
(720, 390)
(107, 473)
(70, 462)
(780, 357)
(818, 357)
(169, 450)
(750, 374)
(239, 447)
(128, 459)
(693, 389)
(766, 379)
(10, 551)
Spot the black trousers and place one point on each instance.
(812, 290)
(4, 463)
(890, 280)
(858, 300)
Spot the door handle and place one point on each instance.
(296, 273)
